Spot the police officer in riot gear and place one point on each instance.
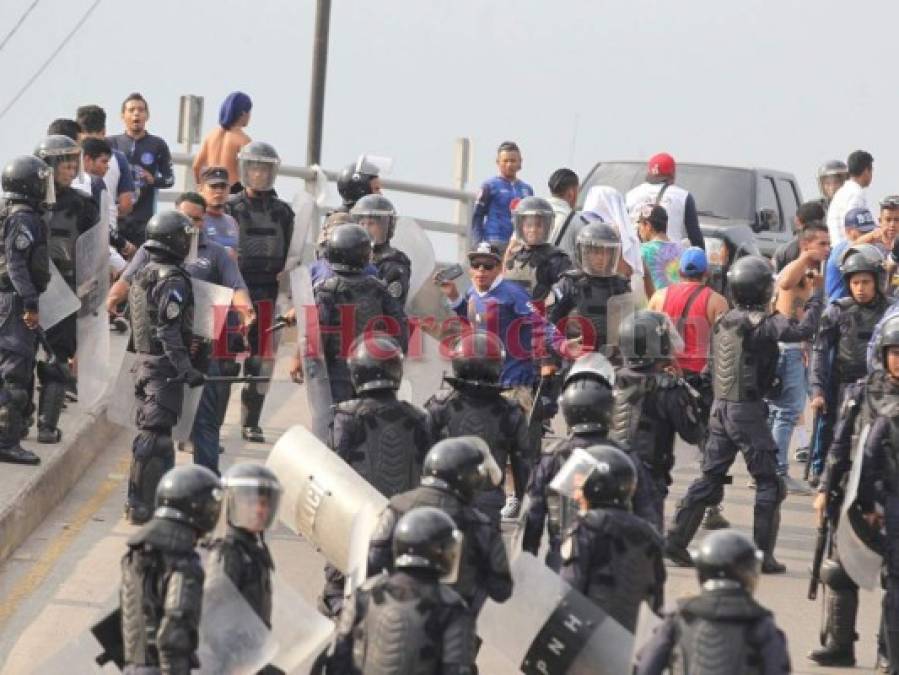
(611, 555)
(585, 291)
(831, 176)
(161, 302)
(355, 296)
(251, 496)
(723, 629)
(454, 470)
(536, 265)
(73, 214)
(162, 579)
(474, 406)
(28, 188)
(377, 215)
(742, 362)
(438, 631)
(356, 181)
(265, 230)
(652, 404)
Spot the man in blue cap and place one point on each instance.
(861, 228)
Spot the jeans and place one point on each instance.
(784, 411)
(207, 424)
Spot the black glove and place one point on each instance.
(194, 378)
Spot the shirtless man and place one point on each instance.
(795, 284)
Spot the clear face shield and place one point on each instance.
(251, 504)
(491, 473)
(378, 224)
(598, 258)
(50, 188)
(533, 228)
(259, 173)
(66, 166)
(830, 183)
(452, 558)
(574, 473)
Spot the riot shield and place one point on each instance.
(92, 325)
(301, 632)
(322, 494)
(189, 405)
(233, 639)
(618, 307)
(306, 214)
(548, 628)
(122, 404)
(211, 303)
(316, 386)
(413, 241)
(58, 300)
(859, 545)
(647, 622)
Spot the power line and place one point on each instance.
(18, 23)
(49, 60)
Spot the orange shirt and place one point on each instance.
(220, 148)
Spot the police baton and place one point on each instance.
(226, 379)
(279, 323)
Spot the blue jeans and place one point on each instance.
(784, 411)
(206, 429)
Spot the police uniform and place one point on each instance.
(245, 558)
(578, 294)
(394, 269)
(537, 269)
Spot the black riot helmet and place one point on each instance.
(57, 149)
(349, 248)
(586, 404)
(259, 162)
(597, 250)
(727, 556)
(426, 538)
(252, 494)
(463, 464)
(375, 362)
(478, 358)
(862, 258)
(751, 282)
(169, 233)
(532, 211)
(354, 182)
(376, 214)
(645, 338)
(889, 337)
(190, 494)
(593, 365)
(613, 480)
(28, 179)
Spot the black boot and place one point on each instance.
(50, 404)
(765, 526)
(250, 410)
(714, 519)
(18, 455)
(687, 519)
(839, 647)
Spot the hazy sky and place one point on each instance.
(778, 83)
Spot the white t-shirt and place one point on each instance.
(850, 196)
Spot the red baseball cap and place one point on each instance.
(661, 164)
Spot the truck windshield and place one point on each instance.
(719, 192)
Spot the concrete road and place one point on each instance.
(67, 571)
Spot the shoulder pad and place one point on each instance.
(164, 535)
(844, 303)
(595, 519)
(331, 284)
(449, 597)
(349, 407)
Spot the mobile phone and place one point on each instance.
(448, 274)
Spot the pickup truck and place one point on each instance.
(741, 211)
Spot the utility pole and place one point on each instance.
(317, 90)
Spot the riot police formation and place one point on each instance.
(653, 405)
(161, 302)
(162, 579)
(742, 362)
(474, 406)
(72, 215)
(454, 470)
(251, 496)
(376, 214)
(28, 189)
(586, 402)
(610, 555)
(266, 226)
(722, 630)
(410, 620)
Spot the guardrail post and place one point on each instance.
(461, 172)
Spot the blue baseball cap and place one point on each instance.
(693, 261)
(860, 219)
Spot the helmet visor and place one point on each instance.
(258, 172)
(574, 473)
(50, 189)
(830, 183)
(65, 163)
(598, 258)
(252, 504)
(377, 224)
(452, 558)
(533, 227)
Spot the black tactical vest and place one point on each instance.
(743, 372)
(362, 300)
(487, 417)
(38, 260)
(857, 324)
(633, 427)
(254, 576)
(263, 242)
(591, 301)
(63, 232)
(145, 311)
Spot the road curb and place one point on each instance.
(53, 479)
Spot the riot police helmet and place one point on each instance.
(478, 357)
(259, 162)
(463, 464)
(862, 258)
(169, 233)
(252, 494)
(61, 154)
(586, 404)
(426, 538)
(354, 182)
(751, 282)
(376, 214)
(647, 337)
(600, 475)
(888, 337)
(727, 558)
(597, 250)
(190, 494)
(592, 365)
(533, 219)
(375, 362)
(831, 176)
(28, 179)
(349, 248)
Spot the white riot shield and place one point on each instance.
(58, 300)
(306, 214)
(189, 405)
(322, 495)
(548, 628)
(233, 639)
(316, 385)
(301, 632)
(211, 303)
(647, 622)
(414, 242)
(92, 325)
(859, 553)
(618, 308)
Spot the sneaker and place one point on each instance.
(801, 455)
(714, 520)
(794, 487)
(253, 435)
(512, 508)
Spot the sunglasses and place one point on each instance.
(483, 266)
(198, 219)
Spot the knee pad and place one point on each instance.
(835, 577)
